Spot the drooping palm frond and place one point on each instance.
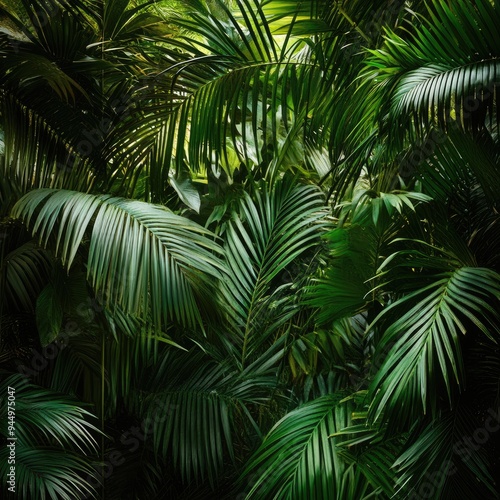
(245, 91)
(25, 270)
(43, 416)
(34, 156)
(72, 103)
(169, 259)
(446, 70)
(44, 94)
(448, 454)
(56, 474)
(262, 238)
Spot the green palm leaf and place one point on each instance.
(25, 271)
(169, 259)
(202, 406)
(445, 72)
(342, 289)
(43, 416)
(298, 458)
(425, 360)
(374, 463)
(443, 456)
(239, 88)
(262, 239)
(48, 473)
(53, 436)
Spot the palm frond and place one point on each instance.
(375, 464)
(446, 72)
(298, 458)
(367, 224)
(343, 288)
(263, 238)
(170, 259)
(46, 423)
(240, 89)
(48, 473)
(445, 454)
(25, 273)
(45, 416)
(425, 337)
(202, 407)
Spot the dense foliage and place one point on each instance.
(250, 249)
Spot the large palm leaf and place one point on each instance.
(440, 455)
(445, 71)
(170, 260)
(72, 83)
(263, 237)
(196, 408)
(425, 337)
(299, 457)
(241, 89)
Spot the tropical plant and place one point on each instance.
(251, 248)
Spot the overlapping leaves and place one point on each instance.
(261, 240)
(299, 459)
(446, 71)
(424, 336)
(46, 423)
